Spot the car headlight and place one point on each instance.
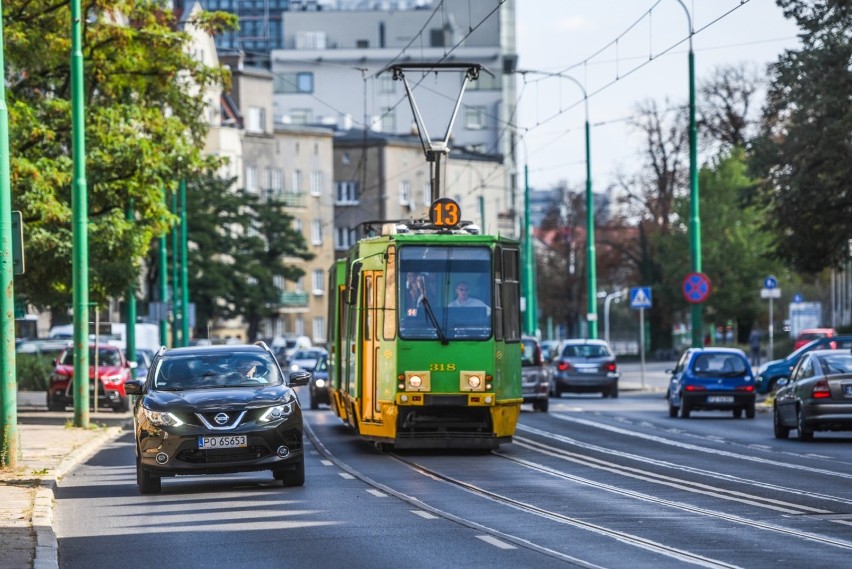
(320, 383)
(278, 412)
(162, 418)
(111, 378)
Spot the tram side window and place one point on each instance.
(390, 295)
(511, 296)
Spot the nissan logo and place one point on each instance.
(221, 418)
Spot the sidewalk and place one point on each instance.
(48, 449)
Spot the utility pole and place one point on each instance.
(184, 267)
(130, 330)
(80, 225)
(8, 380)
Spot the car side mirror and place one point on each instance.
(132, 365)
(134, 386)
(298, 378)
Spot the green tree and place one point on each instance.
(145, 129)
(736, 249)
(238, 247)
(803, 151)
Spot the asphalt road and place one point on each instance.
(594, 482)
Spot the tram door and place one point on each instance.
(370, 346)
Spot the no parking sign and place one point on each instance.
(696, 287)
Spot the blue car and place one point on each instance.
(769, 373)
(712, 379)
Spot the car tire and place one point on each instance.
(54, 405)
(673, 411)
(749, 411)
(314, 403)
(148, 483)
(541, 405)
(291, 478)
(684, 410)
(804, 433)
(738, 413)
(613, 392)
(781, 432)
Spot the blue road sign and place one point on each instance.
(640, 297)
(797, 298)
(770, 282)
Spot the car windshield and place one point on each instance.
(307, 355)
(719, 364)
(528, 353)
(106, 357)
(205, 371)
(585, 351)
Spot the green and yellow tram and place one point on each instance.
(425, 335)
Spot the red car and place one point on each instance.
(113, 370)
(809, 334)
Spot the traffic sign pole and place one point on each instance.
(642, 346)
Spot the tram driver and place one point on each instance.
(464, 300)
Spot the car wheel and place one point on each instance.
(148, 484)
(805, 434)
(781, 432)
(673, 410)
(54, 405)
(290, 478)
(613, 392)
(749, 410)
(541, 405)
(684, 410)
(314, 403)
(738, 412)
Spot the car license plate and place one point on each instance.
(234, 441)
(587, 369)
(847, 389)
(720, 399)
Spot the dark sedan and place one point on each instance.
(319, 383)
(585, 366)
(712, 379)
(217, 410)
(817, 397)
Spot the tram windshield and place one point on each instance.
(445, 293)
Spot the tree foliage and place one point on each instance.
(238, 247)
(803, 152)
(144, 129)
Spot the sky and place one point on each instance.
(623, 52)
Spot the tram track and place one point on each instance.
(648, 545)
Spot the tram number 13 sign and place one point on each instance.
(445, 212)
(696, 287)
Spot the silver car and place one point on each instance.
(535, 373)
(585, 366)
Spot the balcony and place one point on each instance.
(294, 299)
(291, 199)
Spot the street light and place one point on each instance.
(616, 296)
(591, 273)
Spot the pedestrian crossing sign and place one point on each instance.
(640, 297)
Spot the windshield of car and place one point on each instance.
(106, 357)
(719, 364)
(837, 363)
(322, 364)
(307, 355)
(205, 371)
(528, 353)
(585, 351)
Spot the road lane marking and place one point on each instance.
(424, 514)
(346, 475)
(377, 493)
(496, 542)
(325, 462)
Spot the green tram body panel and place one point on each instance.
(381, 341)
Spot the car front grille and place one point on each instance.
(224, 455)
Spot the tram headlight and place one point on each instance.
(416, 380)
(472, 380)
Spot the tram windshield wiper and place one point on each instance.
(434, 320)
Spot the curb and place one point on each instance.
(46, 554)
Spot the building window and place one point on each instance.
(344, 238)
(297, 225)
(474, 118)
(362, 44)
(387, 84)
(298, 82)
(345, 159)
(319, 282)
(426, 193)
(251, 179)
(276, 181)
(297, 182)
(319, 329)
(316, 183)
(316, 232)
(299, 285)
(347, 192)
(404, 192)
(300, 326)
(256, 119)
(388, 119)
(486, 82)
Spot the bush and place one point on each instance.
(33, 372)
